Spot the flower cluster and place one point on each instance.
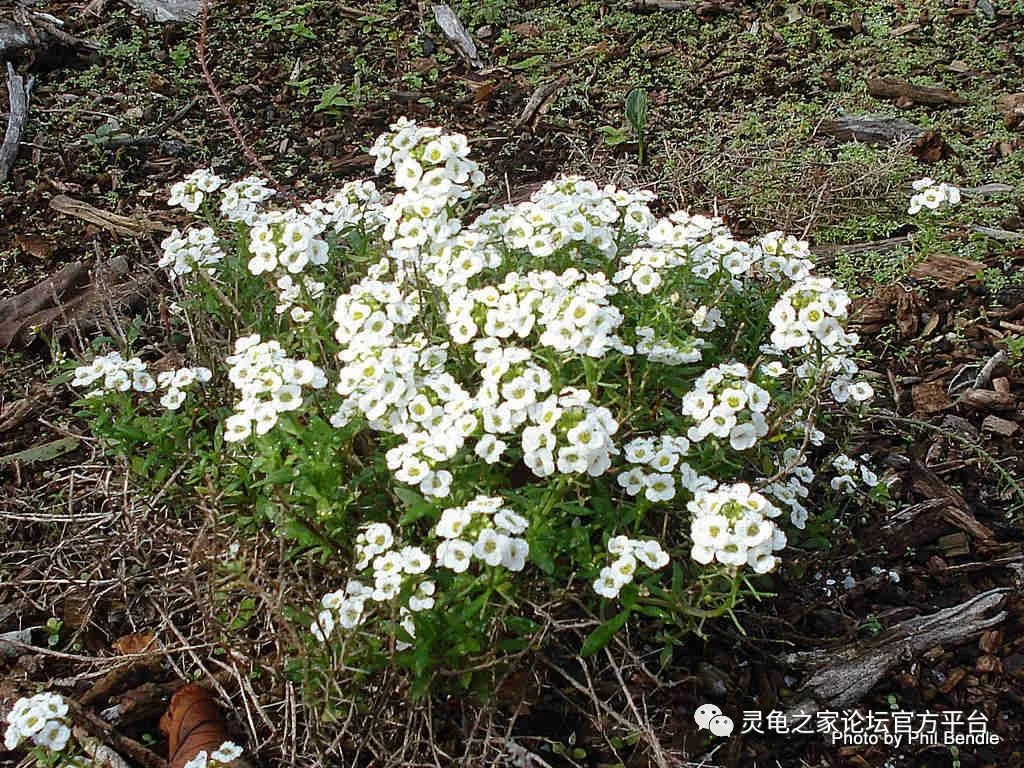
(483, 530)
(286, 242)
(192, 191)
(629, 554)
(726, 404)
(343, 608)
(849, 469)
(42, 719)
(569, 434)
(433, 170)
(290, 291)
(115, 374)
(791, 484)
(270, 382)
(198, 248)
(572, 213)
(357, 205)
(241, 200)
(932, 195)
(571, 312)
(654, 460)
(667, 353)
(784, 257)
(177, 381)
(226, 753)
(811, 310)
(734, 525)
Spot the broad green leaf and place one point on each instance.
(599, 638)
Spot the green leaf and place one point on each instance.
(528, 63)
(613, 136)
(540, 555)
(408, 496)
(44, 452)
(636, 110)
(599, 638)
(417, 512)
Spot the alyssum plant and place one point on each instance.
(469, 414)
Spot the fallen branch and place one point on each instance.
(457, 35)
(902, 93)
(660, 5)
(16, 36)
(844, 676)
(161, 11)
(707, 8)
(871, 129)
(115, 223)
(1002, 235)
(538, 101)
(18, 90)
(32, 29)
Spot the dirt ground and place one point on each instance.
(746, 119)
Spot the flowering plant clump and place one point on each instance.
(42, 721)
(456, 411)
(930, 195)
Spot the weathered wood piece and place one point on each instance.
(871, 129)
(841, 677)
(18, 91)
(901, 92)
(14, 37)
(539, 100)
(172, 11)
(114, 222)
(457, 35)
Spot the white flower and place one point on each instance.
(323, 625)
(509, 522)
(742, 437)
(659, 487)
(423, 598)
(378, 537)
(710, 531)
(414, 560)
(515, 554)
(490, 546)
(226, 752)
(350, 612)
(607, 583)
(651, 554)
(455, 554)
(453, 521)
(490, 448)
(437, 483)
(861, 391)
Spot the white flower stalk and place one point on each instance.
(532, 335)
(41, 720)
(270, 384)
(114, 374)
(197, 249)
(194, 189)
(725, 404)
(734, 526)
(629, 557)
